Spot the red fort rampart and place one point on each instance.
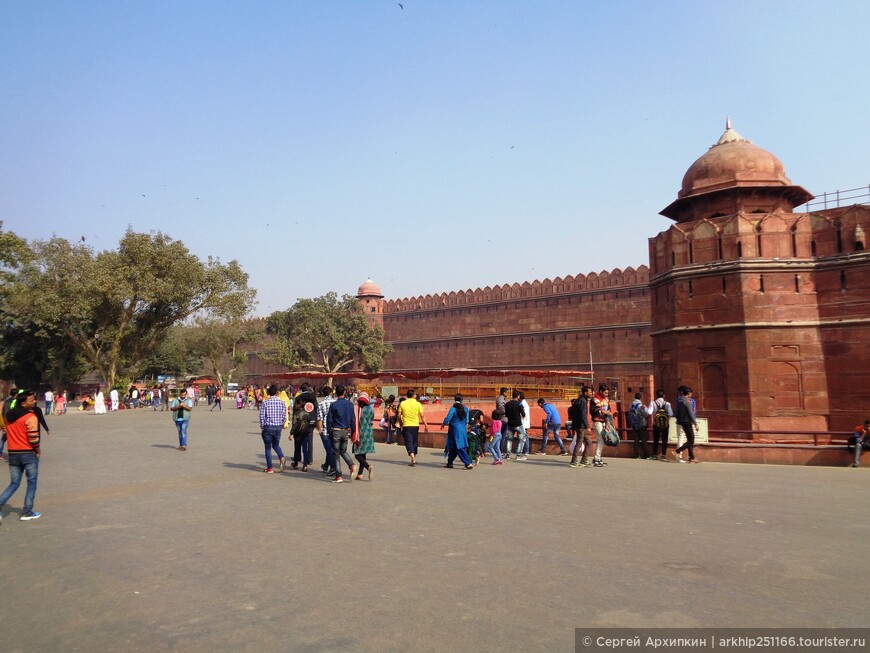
(763, 311)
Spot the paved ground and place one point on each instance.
(142, 547)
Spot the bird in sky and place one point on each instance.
(401, 6)
(83, 239)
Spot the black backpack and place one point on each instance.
(637, 417)
(661, 421)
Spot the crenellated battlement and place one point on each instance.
(614, 279)
(775, 234)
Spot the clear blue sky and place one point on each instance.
(443, 146)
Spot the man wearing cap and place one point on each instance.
(22, 430)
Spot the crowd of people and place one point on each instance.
(344, 421)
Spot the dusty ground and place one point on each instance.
(142, 547)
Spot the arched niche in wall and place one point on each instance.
(786, 385)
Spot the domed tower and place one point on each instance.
(734, 309)
(369, 295)
(734, 176)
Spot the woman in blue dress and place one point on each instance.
(457, 433)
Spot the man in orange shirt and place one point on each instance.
(22, 431)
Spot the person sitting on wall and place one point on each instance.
(861, 440)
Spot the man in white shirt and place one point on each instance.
(49, 401)
(114, 399)
(527, 421)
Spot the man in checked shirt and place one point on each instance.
(323, 405)
(273, 414)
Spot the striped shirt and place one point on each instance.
(273, 412)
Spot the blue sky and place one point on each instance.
(444, 146)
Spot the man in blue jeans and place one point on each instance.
(552, 425)
(22, 430)
(273, 414)
(181, 408)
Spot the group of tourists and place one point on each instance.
(345, 420)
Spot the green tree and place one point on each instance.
(14, 252)
(30, 355)
(173, 355)
(327, 334)
(224, 344)
(114, 307)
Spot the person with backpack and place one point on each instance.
(661, 412)
(637, 420)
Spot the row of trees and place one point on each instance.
(151, 307)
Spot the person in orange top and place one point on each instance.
(22, 430)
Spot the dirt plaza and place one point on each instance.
(142, 547)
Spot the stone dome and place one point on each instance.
(369, 289)
(732, 162)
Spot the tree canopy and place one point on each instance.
(327, 334)
(115, 306)
(224, 343)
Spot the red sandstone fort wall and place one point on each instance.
(542, 324)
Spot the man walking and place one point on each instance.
(273, 414)
(304, 429)
(323, 405)
(49, 401)
(579, 415)
(410, 415)
(514, 413)
(552, 424)
(22, 430)
(341, 426)
(181, 408)
(686, 420)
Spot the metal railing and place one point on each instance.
(860, 195)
